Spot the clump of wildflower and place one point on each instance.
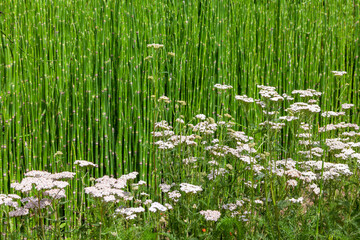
(164, 145)
(288, 118)
(240, 136)
(109, 189)
(211, 215)
(213, 162)
(55, 193)
(174, 195)
(164, 125)
(205, 127)
(62, 176)
(37, 174)
(244, 99)
(201, 116)
(299, 200)
(300, 107)
(315, 188)
(165, 187)
(35, 203)
(292, 183)
(335, 144)
(165, 133)
(250, 184)
(314, 152)
(85, 164)
(217, 172)
(332, 114)
(269, 92)
(272, 125)
(19, 212)
(179, 120)
(346, 106)
(260, 103)
(307, 93)
(189, 188)
(287, 97)
(270, 113)
(305, 126)
(164, 99)
(222, 87)
(58, 153)
(168, 206)
(42, 181)
(339, 73)
(308, 176)
(157, 206)
(148, 202)
(155, 46)
(130, 213)
(312, 101)
(178, 139)
(148, 57)
(304, 135)
(342, 125)
(9, 200)
(230, 206)
(189, 160)
(350, 134)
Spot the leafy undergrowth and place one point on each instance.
(293, 176)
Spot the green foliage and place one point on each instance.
(79, 81)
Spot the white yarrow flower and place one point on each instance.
(189, 188)
(339, 73)
(84, 164)
(222, 87)
(211, 215)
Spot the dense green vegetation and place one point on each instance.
(79, 81)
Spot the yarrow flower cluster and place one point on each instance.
(307, 93)
(211, 215)
(165, 187)
(300, 107)
(204, 127)
(155, 206)
(244, 99)
(9, 200)
(222, 87)
(85, 164)
(155, 46)
(269, 92)
(130, 213)
(346, 106)
(164, 99)
(189, 188)
(341, 125)
(44, 183)
(272, 125)
(189, 160)
(332, 114)
(42, 180)
(163, 125)
(294, 200)
(109, 189)
(339, 73)
(201, 116)
(174, 195)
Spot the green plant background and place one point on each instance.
(74, 75)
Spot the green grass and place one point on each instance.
(74, 76)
